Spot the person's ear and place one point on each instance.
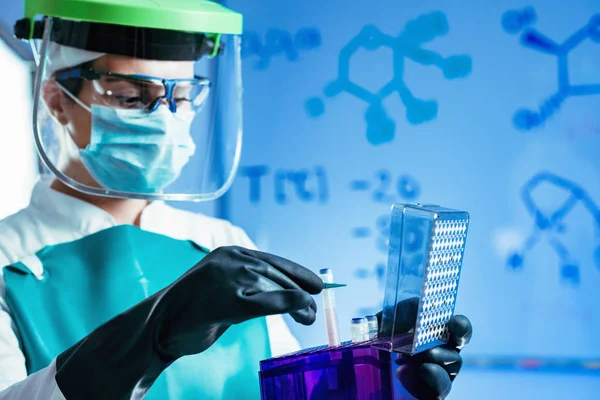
(56, 100)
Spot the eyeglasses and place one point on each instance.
(142, 91)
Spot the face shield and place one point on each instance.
(139, 113)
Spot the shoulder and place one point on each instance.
(206, 231)
(15, 242)
(28, 231)
(18, 236)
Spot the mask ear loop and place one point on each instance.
(68, 144)
(74, 98)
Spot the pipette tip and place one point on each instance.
(333, 285)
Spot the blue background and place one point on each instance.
(532, 264)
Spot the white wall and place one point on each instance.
(18, 160)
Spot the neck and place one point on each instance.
(125, 212)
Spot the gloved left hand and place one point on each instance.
(429, 375)
(122, 358)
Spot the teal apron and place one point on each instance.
(89, 281)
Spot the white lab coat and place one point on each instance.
(52, 218)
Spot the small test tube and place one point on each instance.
(373, 326)
(331, 318)
(359, 328)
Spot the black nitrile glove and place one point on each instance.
(429, 375)
(122, 358)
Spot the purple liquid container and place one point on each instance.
(426, 250)
(347, 372)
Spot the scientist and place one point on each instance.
(106, 291)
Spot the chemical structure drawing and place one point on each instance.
(387, 189)
(550, 226)
(515, 21)
(279, 42)
(407, 45)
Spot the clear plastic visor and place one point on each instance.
(146, 128)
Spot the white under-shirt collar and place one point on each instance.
(79, 214)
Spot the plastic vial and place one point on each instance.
(373, 326)
(359, 328)
(331, 318)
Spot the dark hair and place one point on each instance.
(73, 85)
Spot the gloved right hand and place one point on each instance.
(229, 286)
(429, 374)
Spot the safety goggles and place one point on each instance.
(143, 92)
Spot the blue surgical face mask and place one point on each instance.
(133, 151)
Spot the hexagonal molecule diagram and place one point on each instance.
(548, 225)
(407, 45)
(515, 21)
